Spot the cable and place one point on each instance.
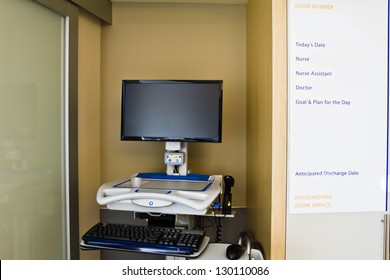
(213, 221)
(218, 226)
(218, 230)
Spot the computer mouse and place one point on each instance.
(235, 251)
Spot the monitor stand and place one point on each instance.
(179, 152)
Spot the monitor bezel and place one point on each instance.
(169, 139)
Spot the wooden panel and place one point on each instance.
(89, 123)
(266, 123)
(279, 128)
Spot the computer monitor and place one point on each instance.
(172, 110)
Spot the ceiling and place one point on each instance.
(236, 2)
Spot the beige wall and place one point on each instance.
(175, 41)
(259, 121)
(89, 124)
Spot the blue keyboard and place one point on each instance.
(145, 239)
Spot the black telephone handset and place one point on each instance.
(227, 195)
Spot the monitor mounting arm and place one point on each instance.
(176, 158)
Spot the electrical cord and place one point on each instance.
(213, 221)
(218, 230)
(218, 226)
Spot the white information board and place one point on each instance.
(338, 106)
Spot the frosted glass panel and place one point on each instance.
(32, 208)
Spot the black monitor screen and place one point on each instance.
(172, 110)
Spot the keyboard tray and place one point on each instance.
(202, 247)
(144, 239)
